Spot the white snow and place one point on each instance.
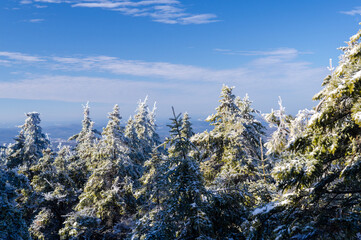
(264, 209)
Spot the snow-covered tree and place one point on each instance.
(28, 146)
(234, 164)
(21, 156)
(141, 130)
(232, 152)
(86, 142)
(288, 128)
(179, 193)
(107, 203)
(320, 169)
(56, 192)
(12, 224)
(87, 127)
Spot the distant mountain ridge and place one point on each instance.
(61, 133)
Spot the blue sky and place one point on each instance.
(55, 55)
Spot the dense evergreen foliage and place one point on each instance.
(303, 181)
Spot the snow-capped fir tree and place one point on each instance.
(21, 156)
(153, 126)
(232, 151)
(187, 130)
(154, 168)
(107, 204)
(44, 178)
(12, 224)
(179, 197)
(56, 192)
(288, 128)
(321, 176)
(114, 144)
(86, 141)
(153, 182)
(141, 130)
(234, 163)
(87, 126)
(28, 146)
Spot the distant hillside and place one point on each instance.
(60, 133)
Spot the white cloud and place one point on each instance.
(289, 52)
(100, 4)
(148, 69)
(36, 20)
(195, 88)
(20, 57)
(116, 66)
(199, 19)
(276, 59)
(355, 11)
(40, 6)
(164, 11)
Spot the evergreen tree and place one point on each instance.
(87, 127)
(234, 164)
(20, 157)
(107, 203)
(179, 194)
(12, 224)
(232, 152)
(28, 146)
(56, 191)
(288, 128)
(319, 171)
(86, 140)
(141, 130)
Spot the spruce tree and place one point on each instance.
(107, 203)
(12, 224)
(83, 161)
(56, 190)
(234, 164)
(28, 146)
(141, 130)
(179, 193)
(20, 157)
(319, 172)
(232, 152)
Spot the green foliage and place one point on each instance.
(141, 131)
(234, 143)
(28, 145)
(179, 195)
(107, 198)
(318, 170)
(56, 192)
(12, 224)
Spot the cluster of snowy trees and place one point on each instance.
(232, 182)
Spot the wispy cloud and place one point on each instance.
(37, 20)
(264, 78)
(164, 11)
(116, 66)
(292, 52)
(270, 56)
(19, 57)
(355, 11)
(40, 6)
